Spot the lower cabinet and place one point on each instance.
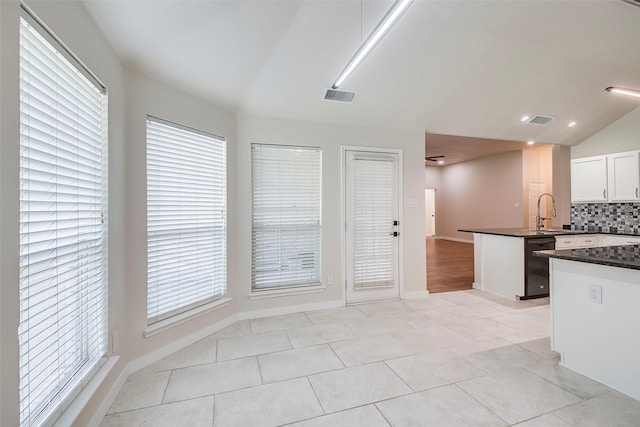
(580, 241)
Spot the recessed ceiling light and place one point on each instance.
(441, 162)
(524, 118)
(623, 91)
(572, 124)
(530, 142)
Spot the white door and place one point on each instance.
(430, 211)
(372, 225)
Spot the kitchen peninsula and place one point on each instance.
(503, 261)
(595, 313)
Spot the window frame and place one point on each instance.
(313, 231)
(84, 267)
(157, 319)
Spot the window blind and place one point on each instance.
(286, 211)
(186, 218)
(373, 250)
(63, 255)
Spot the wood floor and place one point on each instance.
(449, 265)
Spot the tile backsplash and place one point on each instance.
(609, 217)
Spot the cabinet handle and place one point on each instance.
(604, 193)
(636, 191)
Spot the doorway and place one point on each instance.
(430, 212)
(372, 226)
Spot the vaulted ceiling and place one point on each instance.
(464, 68)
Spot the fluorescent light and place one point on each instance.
(572, 124)
(623, 91)
(524, 118)
(378, 33)
(530, 142)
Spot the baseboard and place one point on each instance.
(106, 403)
(416, 294)
(455, 239)
(171, 348)
(477, 286)
(277, 311)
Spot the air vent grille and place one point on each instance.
(541, 120)
(340, 95)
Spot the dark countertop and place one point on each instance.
(523, 232)
(627, 256)
(545, 232)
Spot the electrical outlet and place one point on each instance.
(595, 294)
(330, 279)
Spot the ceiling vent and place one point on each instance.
(541, 120)
(340, 95)
(633, 2)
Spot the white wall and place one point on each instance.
(72, 24)
(621, 135)
(131, 97)
(330, 138)
(480, 193)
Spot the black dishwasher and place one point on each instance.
(536, 269)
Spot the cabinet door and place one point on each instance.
(624, 177)
(589, 179)
(622, 240)
(566, 242)
(589, 241)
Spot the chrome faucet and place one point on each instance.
(540, 219)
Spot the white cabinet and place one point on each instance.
(621, 240)
(580, 241)
(589, 179)
(624, 176)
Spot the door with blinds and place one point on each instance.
(372, 225)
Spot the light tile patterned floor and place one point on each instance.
(461, 358)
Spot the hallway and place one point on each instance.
(449, 265)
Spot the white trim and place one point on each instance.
(416, 294)
(181, 318)
(183, 342)
(165, 351)
(71, 412)
(454, 239)
(276, 311)
(282, 292)
(343, 214)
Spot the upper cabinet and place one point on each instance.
(624, 176)
(589, 179)
(611, 178)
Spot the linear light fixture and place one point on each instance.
(623, 91)
(394, 13)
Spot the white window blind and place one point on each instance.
(186, 219)
(286, 228)
(63, 265)
(373, 247)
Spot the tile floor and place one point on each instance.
(461, 358)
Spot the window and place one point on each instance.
(186, 219)
(286, 229)
(63, 264)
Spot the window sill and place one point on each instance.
(181, 318)
(281, 292)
